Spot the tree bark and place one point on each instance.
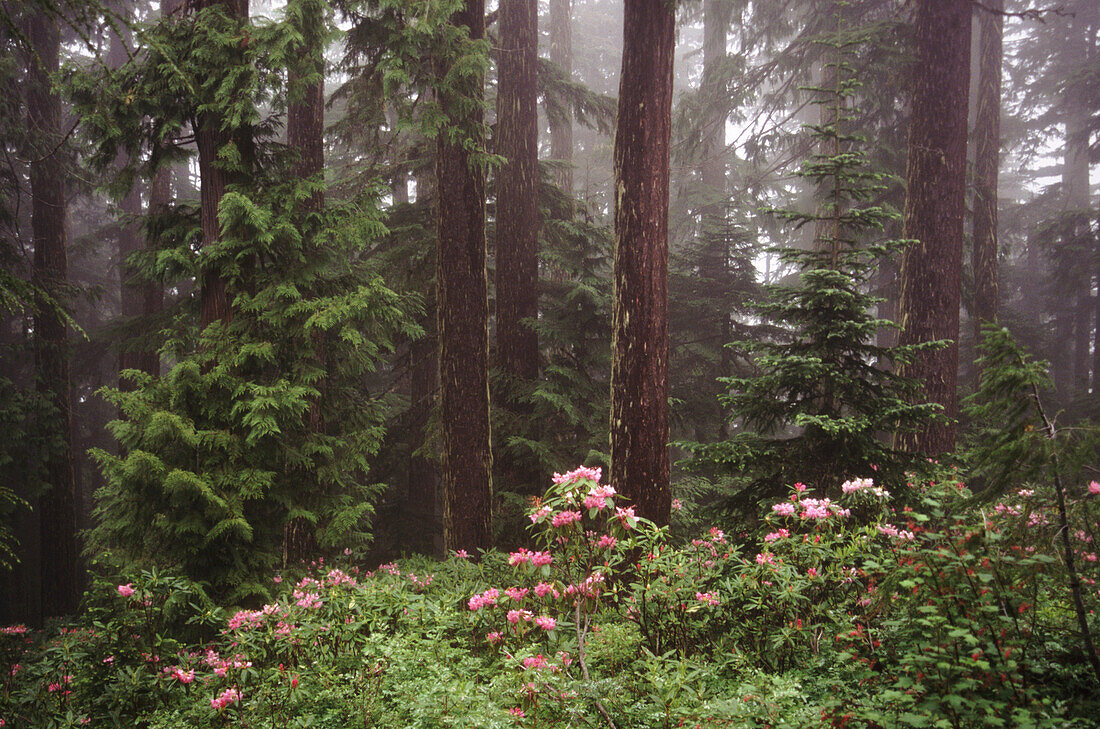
(517, 263)
(561, 53)
(934, 207)
(639, 373)
(210, 137)
(462, 319)
(60, 568)
(987, 143)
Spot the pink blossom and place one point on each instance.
(462, 554)
(541, 559)
(781, 534)
(708, 598)
(564, 518)
(784, 509)
(519, 557)
(126, 590)
(1094, 488)
(543, 589)
(598, 497)
(592, 474)
(489, 597)
(516, 593)
(765, 558)
(545, 622)
(227, 697)
(277, 579)
(534, 662)
(539, 515)
(514, 616)
(184, 676)
(677, 505)
(516, 711)
(800, 487)
(625, 516)
(495, 637)
(606, 542)
(811, 573)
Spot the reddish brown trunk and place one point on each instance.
(639, 374)
(462, 320)
(934, 206)
(210, 137)
(60, 569)
(305, 119)
(517, 263)
(987, 144)
(561, 53)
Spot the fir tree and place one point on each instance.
(825, 394)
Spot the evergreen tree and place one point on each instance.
(221, 454)
(825, 393)
(934, 206)
(639, 369)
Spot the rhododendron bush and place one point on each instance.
(853, 608)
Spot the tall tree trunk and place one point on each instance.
(462, 320)
(305, 128)
(987, 144)
(214, 178)
(517, 263)
(57, 506)
(639, 371)
(934, 206)
(561, 53)
(715, 263)
(135, 294)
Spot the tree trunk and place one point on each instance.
(135, 294)
(517, 263)
(639, 372)
(462, 319)
(305, 128)
(210, 137)
(57, 506)
(987, 143)
(715, 263)
(934, 207)
(561, 53)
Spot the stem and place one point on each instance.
(1063, 528)
(584, 666)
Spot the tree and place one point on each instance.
(987, 146)
(934, 207)
(561, 53)
(61, 575)
(639, 372)
(462, 296)
(517, 229)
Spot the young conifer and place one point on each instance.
(825, 394)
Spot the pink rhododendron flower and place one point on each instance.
(126, 590)
(539, 515)
(516, 711)
(564, 518)
(708, 598)
(593, 474)
(543, 589)
(811, 573)
(625, 515)
(541, 559)
(800, 487)
(520, 557)
(227, 697)
(606, 542)
(183, 676)
(516, 593)
(534, 662)
(765, 558)
(784, 509)
(462, 554)
(598, 497)
(677, 505)
(781, 534)
(1094, 488)
(495, 637)
(514, 616)
(545, 622)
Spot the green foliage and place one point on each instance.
(825, 397)
(256, 443)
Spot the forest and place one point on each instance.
(549, 363)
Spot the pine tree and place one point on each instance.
(823, 398)
(639, 370)
(934, 206)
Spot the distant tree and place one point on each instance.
(561, 53)
(517, 228)
(639, 371)
(987, 147)
(934, 208)
(462, 298)
(57, 506)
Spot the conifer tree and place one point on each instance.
(639, 370)
(822, 399)
(57, 506)
(934, 206)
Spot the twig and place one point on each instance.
(1029, 14)
(1074, 579)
